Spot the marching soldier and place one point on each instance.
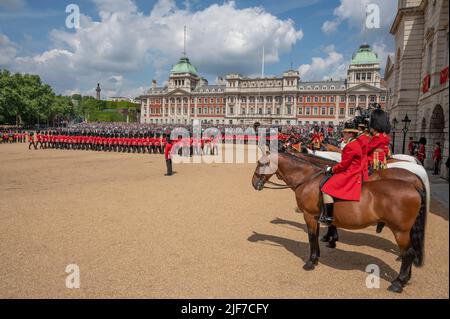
(31, 141)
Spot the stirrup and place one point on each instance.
(326, 220)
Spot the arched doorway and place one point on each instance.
(436, 133)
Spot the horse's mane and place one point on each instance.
(304, 160)
(318, 159)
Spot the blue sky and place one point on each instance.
(124, 44)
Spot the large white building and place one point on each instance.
(417, 77)
(284, 100)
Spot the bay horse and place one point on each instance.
(398, 204)
(398, 173)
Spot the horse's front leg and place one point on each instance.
(313, 236)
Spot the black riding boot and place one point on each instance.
(326, 217)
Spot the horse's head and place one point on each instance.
(266, 167)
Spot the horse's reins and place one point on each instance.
(281, 186)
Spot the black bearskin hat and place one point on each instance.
(351, 127)
(379, 120)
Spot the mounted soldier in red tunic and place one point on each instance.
(346, 177)
(378, 148)
(363, 138)
(317, 139)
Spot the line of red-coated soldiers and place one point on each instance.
(128, 143)
(13, 137)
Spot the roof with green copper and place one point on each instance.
(365, 55)
(184, 66)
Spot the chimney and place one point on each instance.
(153, 84)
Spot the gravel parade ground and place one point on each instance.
(202, 233)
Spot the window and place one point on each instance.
(205, 110)
(308, 110)
(383, 98)
(351, 111)
(341, 111)
(342, 99)
(308, 99)
(289, 110)
(316, 99)
(363, 76)
(316, 110)
(324, 99)
(429, 59)
(331, 110)
(185, 110)
(243, 99)
(231, 110)
(300, 110)
(260, 111)
(331, 99)
(358, 76)
(192, 110)
(300, 99)
(352, 98)
(324, 110)
(369, 76)
(278, 111)
(243, 111)
(362, 98)
(199, 110)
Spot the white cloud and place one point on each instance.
(383, 52)
(330, 26)
(354, 13)
(221, 39)
(333, 66)
(8, 50)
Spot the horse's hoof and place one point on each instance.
(331, 244)
(309, 266)
(395, 287)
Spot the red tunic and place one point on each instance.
(167, 151)
(437, 154)
(421, 153)
(346, 182)
(378, 149)
(363, 140)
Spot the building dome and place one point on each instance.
(365, 55)
(184, 66)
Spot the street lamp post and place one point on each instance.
(405, 129)
(394, 127)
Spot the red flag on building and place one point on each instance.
(426, 84)
(444, 76)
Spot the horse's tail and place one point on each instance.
(417, 233)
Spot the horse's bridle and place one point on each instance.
(285, 186)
